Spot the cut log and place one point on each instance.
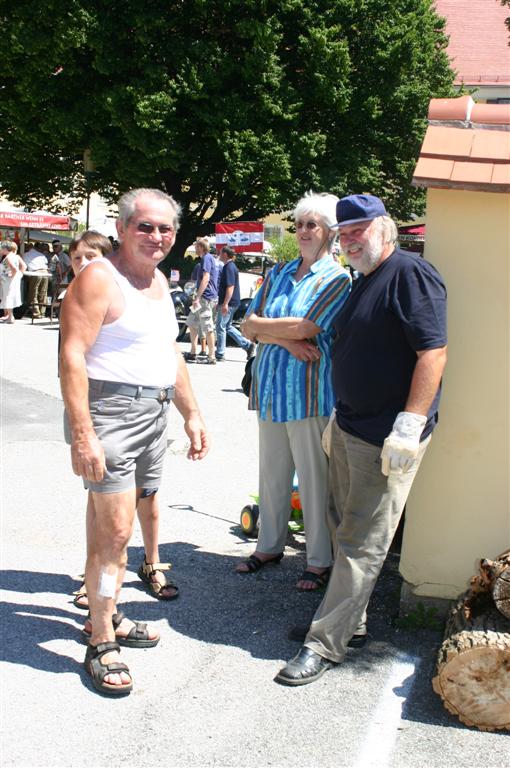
(501, 583)
(473, 668)
(492, 583)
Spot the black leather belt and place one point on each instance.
(162, 394)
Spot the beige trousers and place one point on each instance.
(283, 449)
(364, 515)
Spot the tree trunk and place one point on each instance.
(473, 667)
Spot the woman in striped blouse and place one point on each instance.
(291, 317)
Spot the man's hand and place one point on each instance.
(87, 457)
(199, 439)
(224, 309)
(401, 447)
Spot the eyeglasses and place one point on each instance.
(309, 225)
(148, 229)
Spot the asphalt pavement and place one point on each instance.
(205, 695)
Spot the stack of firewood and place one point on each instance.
(473, 666)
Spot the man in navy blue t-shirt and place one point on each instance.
(229, 298)
(388, 360)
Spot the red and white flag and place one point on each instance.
(240, 235)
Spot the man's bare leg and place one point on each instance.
(193, 335)
(109, 527)
(148, 514)
(211, 343)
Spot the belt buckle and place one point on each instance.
(162, 396)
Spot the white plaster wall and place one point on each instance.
(459, 508)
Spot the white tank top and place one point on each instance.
(138, 347)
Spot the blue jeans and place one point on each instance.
(224, 326)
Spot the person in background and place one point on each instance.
(12, 269)
(200, 319)
(63, 270)
(201, 337)
(229, 298)
(388, 359)
(291, 317)
(37, 265)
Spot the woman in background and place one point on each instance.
(12, 270)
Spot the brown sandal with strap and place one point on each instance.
(99, 671)
(145, 573)
(79, 594)
(137, 637)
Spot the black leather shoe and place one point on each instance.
(300, 631)
(304, 668)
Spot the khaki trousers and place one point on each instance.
(364, 515)
(37, 293)
(283, 448)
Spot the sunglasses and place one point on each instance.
(309, 225)
(148, 229)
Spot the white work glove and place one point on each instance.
(402, 444)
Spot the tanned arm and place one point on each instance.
(83, 312)
(186, 405)
(426, 379)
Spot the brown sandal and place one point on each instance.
(137, 637)
(80, 593)
(98, 671)
(145, 573)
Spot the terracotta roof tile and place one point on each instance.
(474, 173)
(433, 168)
(462, 154)
(501, 174)
(451, 109)
(450, 142)
(495, 114)
(490, 145)
(478, 44)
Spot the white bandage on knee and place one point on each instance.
(107, 586)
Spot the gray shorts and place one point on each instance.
(203, 319)
(132, 433)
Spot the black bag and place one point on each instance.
(246, 380)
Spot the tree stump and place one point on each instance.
(473, 667)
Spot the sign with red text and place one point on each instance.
(240, 235)
(38, 220)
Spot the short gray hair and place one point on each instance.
(387, 228)
(320, 204)
(323, 205)
(127, 203)
(8, 245)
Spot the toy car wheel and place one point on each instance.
(249, 519)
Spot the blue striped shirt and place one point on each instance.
(290, 388)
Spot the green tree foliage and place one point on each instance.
(235, 107)
(285, 248)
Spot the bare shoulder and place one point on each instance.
(94, 283)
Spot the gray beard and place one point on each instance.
(370, 257)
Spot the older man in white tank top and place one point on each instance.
(120, 367)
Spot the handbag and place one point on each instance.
(246, 380)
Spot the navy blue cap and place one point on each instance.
(356, 208)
